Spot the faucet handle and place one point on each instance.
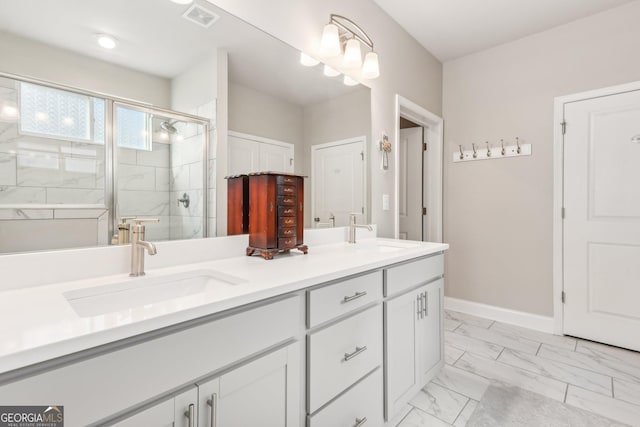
(140, 220)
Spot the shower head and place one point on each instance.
(169, 127)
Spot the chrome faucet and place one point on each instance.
(353, 226)
(138, 245)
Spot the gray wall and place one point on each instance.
(406, 67)
(498, 214)
(26, 57)
(259, 114)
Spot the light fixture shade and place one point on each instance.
(330, 72)
(371, 68)
(352, 54)
(349, 81)
(107, 41)
(307, 60)
(330, 42)
(182, 1)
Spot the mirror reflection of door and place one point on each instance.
(249, 153)
(411, 180)
(338, 183)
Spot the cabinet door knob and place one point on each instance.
(358, 350)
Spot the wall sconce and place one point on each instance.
(342, 34)
(385, 148)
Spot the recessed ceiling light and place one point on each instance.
(107, 41)
(182, 1)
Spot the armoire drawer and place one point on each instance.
(286, 200)
(362, 404)
(342, 297)
(342, 354)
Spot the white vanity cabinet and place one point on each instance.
(265, 392)
(178, 411)
(414, 336)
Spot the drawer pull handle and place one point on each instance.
(349, 356)
(360, 421)
(354, 296)
(419, 306)
(212, 403)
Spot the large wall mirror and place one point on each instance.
(90, 135)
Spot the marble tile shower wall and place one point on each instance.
(187, 177)
(143, 186)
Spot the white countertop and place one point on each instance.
(39, 324)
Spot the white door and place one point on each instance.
(410, 174)
(337, 181)
(248, 153)
(602, 220)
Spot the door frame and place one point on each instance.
(558, 189)
(314, 148)
(433, 189)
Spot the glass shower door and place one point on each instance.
(160, 166)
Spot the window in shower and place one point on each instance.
(133, 129)
(59, 114)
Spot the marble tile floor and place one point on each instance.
(481, 352)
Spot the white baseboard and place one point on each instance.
(505, 315)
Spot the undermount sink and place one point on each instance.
(140, 291)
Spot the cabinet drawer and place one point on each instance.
(364, 400)
(286, 231)
(286, 200)
(286, 180)
(339, 298)
(411, 274)
(287, 243)
(342, 354)
(287, 190)
(287, 221)
(286, 211)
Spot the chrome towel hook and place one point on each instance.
(475, 152)
(488, 149)
(461, 153)
(503, 151)
(518, 144)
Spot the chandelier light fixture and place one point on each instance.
(342, 36)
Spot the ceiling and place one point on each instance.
(450, 29)
(154, 38)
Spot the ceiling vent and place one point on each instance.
(200, 16)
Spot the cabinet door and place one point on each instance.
(265, 392)
(400, 351)
(168, 413)
(429, 331)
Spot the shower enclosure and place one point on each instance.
(72, 163)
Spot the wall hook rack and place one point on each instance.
(503, 151)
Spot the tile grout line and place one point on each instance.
(588, 368)
(461, 411)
